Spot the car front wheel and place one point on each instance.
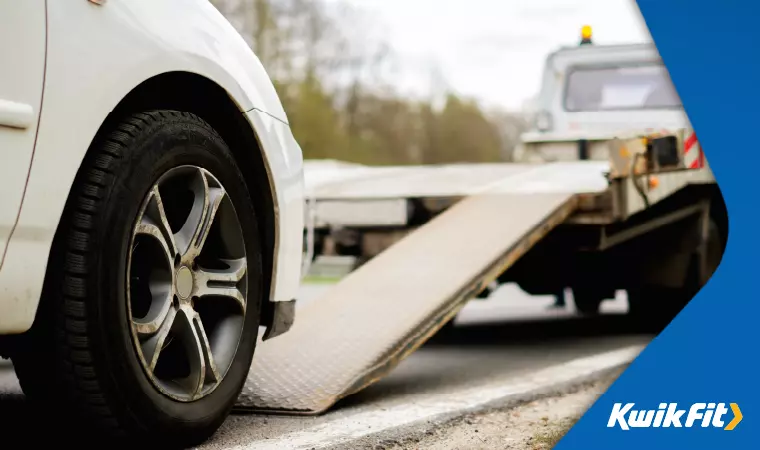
(150, 311)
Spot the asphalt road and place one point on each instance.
(497, 340)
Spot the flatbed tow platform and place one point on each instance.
(387, 308)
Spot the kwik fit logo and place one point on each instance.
(669, 415)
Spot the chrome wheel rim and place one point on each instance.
(187, 283)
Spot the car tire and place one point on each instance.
(90, 353)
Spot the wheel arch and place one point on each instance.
(189, 92)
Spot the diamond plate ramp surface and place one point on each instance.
(382, 312)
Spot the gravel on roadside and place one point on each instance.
(537, 425)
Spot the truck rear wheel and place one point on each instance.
(652, 308)
(151, 305)
(588, 299)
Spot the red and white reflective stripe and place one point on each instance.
(693, 157)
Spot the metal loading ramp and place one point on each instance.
(386, 309)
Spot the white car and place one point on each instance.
(151, 212)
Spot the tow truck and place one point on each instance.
(436, 236)
(639, 216)
(591, 93)
(433, 237)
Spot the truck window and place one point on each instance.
(621, 88)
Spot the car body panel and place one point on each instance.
(286, 160)
(22, 43)
(97, 54)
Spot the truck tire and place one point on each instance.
(151, 304)
(652, 308)
(588, 298)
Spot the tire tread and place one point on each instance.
(76, 244)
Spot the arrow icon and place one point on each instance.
(737, 417)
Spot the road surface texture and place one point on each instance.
(503, 351)
(536, 425)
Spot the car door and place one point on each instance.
(22, 72)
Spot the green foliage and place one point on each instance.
(314, 120)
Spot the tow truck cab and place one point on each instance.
(593, 93)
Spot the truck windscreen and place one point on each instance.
(631, 87)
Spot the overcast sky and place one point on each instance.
(493, 49)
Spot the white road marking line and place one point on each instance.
(347, 429)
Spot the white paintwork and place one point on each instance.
(286, 169)
(356, 195)
(365, 213)
(16, 115)
(96, 56)
(320, 171)
(457, 180)
(563, 148)
(22, 63)
(669, 182)
(346, 429)
(571, 126)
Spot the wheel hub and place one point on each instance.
(184, 282)
(187, 283)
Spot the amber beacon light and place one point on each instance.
(586, 34)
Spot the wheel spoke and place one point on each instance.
(208, 196)
(154, 223)
(159, 310)
(223, 282)
(152, 346)
(199, 355)
(212, 374)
